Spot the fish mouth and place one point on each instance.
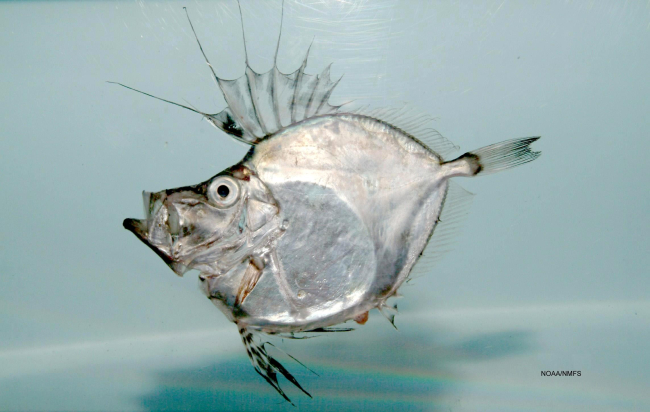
(137, 227)
(140, 228)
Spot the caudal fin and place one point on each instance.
(501, 156)
(493, 158)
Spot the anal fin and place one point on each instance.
(388, 312)
(450, 222)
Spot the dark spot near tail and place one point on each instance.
(474, 160)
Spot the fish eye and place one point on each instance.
(224, 191)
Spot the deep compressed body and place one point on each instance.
(359, 200)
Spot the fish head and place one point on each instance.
(208, 226)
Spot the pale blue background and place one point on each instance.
(550, 272)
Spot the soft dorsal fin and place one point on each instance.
(260, 104)
(414, 123)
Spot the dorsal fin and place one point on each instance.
(413, 123)
(260, 104)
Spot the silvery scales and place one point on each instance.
(324, 218)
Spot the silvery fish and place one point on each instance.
(325, 217)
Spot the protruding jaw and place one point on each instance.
(210, 226)
(139, 228)
(182, 223)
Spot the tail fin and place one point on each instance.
(493, 158)
(503, 155)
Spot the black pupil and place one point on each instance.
(223, 191)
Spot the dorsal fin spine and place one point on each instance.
(277, 46)
(276, 72)
(276, 98)
(327, 95)
(252, 87)
(311, 96)
(243, 33)
(216, 78)
(297, 84)
(323, 78)
(250, 79)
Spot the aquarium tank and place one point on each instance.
(532, 294)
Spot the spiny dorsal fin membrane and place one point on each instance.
(260, 104)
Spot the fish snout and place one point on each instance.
(137, 227)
